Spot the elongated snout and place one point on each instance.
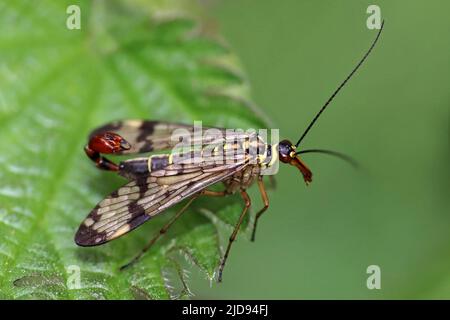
(307, 174)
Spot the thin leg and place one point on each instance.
(235, 231)
(161, 232)
(171, 222)
(265, 199)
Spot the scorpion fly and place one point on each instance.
(159, 181)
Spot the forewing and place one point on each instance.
(136, 202)
(146, 136)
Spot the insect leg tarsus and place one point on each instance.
(247, 200)
(160, 233)
(265, 199)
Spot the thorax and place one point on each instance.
(242, 179)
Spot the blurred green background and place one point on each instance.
(317, 241)
(314, 242)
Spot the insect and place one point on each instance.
(159, 182)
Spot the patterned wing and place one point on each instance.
(147, 136)
(136, 202)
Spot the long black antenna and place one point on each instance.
(337, 154)
(340, 86)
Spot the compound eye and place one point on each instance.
(283, 148)
(286, 151)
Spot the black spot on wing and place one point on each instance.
(138, 217)
(88, 237)
(146, 146)
(138, 220)
(114, 194)
(146, 129)
(143, 188)
(136, 209)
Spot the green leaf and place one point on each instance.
(133, 59)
